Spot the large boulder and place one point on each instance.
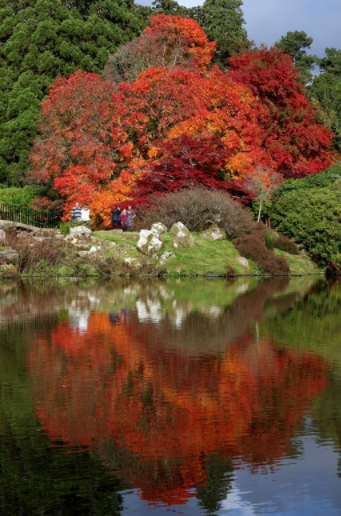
(80, 230)
(214, 233)
(244, 262)
(182, 236)
(158, 229)
(8, 256)
(149, 244)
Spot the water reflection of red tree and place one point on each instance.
(167, 411)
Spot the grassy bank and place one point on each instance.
(207, 258)
(106, 253)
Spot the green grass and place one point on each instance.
(126, 241)
(130, 238)
(299, 265)
(206, 258)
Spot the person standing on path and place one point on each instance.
(130, 217)
(116, 218)
(76, 213)
(123, 219)
(85, 214)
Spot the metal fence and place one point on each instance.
(27, 216)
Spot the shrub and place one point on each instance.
(270, 239)
(64, 228)
(22, 197)
(198, 208)
(286, 244)
(321, 180)
(32, 252)
(313, 219)
(253, 246)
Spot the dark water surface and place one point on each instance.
(187, 397)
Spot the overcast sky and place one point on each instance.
(268, 20)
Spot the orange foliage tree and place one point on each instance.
(102, 143)
(169, 41)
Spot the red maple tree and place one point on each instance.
(173, 126)
(297, 144)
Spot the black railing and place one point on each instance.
(27, 216)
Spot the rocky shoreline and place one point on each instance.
(30, 252)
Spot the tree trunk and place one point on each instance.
(260, 210)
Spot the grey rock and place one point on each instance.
(158, 229)
(214, 233)
(95, 250)
(132, 262)
(80, 230)
(8, 270)
(9, 256)
(244, 262)
(182, 236)
(149, 244)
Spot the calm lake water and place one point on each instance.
(160, 397)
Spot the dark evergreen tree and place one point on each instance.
(326, 88)
(43, 39)
(169, 7)
(297, 44)
(223, 22)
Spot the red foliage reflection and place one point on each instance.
(164, 412)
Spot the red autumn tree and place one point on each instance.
(101, 144)
(183, 162)
(297, 143)
(72, 151)
(94, 157)
(169, 41)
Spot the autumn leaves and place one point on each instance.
(180, 122)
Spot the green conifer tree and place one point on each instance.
(296, 44)
(223, 22)
(326, 88)
(43, 39)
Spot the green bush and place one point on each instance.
(286, 244)
(312, 217)
(64, 228)
(321, 180)
(270, 239)
(22, 197)
(336, 261)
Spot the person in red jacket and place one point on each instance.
(123, 218)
